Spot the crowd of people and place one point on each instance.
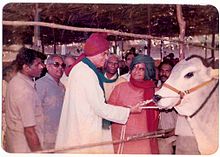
(85, 101)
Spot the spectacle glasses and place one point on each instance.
(56, 64)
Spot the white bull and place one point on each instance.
(193, 91)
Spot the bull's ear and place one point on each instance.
(214, 73)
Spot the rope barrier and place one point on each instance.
(140, 136)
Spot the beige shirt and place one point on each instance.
(110, 86)
(23, 109)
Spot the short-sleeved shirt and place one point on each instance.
(23, 109)
(51, 94)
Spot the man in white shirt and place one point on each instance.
(111, 72)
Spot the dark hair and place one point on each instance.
(130, 53)
(171, 55)
(27, 56)
(166, 61)
(8, 69)
(132, 50)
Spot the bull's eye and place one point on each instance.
(189, 75)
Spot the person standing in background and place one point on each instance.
(24, 116)
(51, 92)
(8, 73)
(167, 118)
(128, 59)
(111, 67)
(111, 72)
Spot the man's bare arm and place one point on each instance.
(32, 138)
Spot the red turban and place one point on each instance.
(96, 44)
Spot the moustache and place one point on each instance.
(163, 76)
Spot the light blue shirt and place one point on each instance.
(51, 94)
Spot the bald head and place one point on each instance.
(112, 64)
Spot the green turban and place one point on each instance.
(150, 73)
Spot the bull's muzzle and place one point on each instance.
(156, 98)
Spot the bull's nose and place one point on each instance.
(157, 98)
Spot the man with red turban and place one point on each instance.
(84, 106)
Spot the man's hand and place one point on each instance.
(137, 108)
(32, 138)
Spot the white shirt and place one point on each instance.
(84, 108)
(64, 79)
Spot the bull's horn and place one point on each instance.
(215, 73)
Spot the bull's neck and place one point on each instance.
(205, 123)
(208, 99)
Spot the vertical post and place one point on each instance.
(54, 48)
(182, 26)
(36, 37)
(161, 50)
(42, 42)
(122, 45)
(213, 51)
(115, 47)
(205, 44)
(54, 42)
(148, 46)
(149, 31)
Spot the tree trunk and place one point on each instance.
(36, 28)
(213, 51)
(182, 26)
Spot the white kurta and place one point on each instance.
(64, 79)
(83, 109)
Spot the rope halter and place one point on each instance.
(183, 93)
